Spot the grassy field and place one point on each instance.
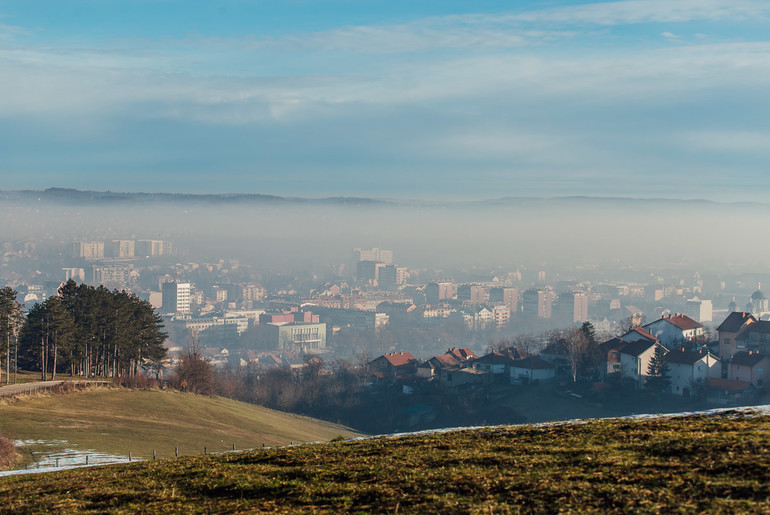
(704, 463)
(119, 421)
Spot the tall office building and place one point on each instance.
(176, 298)
(88, 249)
(537, 303)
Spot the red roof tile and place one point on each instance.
(683, 322)
(729, 385)
(463, 353)
(400, 359)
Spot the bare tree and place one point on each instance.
(578, 349)
(193, 373)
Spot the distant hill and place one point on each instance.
(119, 421)
(73, 196)
(698, 463)
(79, 197)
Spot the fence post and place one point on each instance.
(204, 450)
(233, 446)
(153, 454)
(176, 452)
(129, 456)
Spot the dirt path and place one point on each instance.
(16, 389)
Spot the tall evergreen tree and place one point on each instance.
(10, 323)
(92, 330)
(658, 372)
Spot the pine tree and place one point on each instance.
(10, 324)
(658, 372)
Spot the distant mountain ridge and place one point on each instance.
(75, 196)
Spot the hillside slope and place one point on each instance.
(707, 462)
(119, 421)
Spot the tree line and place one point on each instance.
(83, 330)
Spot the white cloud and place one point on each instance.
(650, 11)
(736, 141)
(671, 36)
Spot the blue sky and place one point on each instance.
(418, 99)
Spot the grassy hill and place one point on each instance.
(119, 421)
(712, 463)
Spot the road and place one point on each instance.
(15, 389)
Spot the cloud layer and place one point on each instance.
(616, 98)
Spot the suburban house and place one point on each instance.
(394, 364)
(611, 356)
(463, 354)
(690, 370)
(729, 329)
(557, 353)
(754, 337)
(461, 376)
(427, 369)
(638, 333)
(635, 360)
(498, 363)
(726, 391)
(453, 358)
(753, 367)
(673, 331)
(531, 370)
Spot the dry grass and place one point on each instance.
(708, 463)
(118, 421)
(8, 454)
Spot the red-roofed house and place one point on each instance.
(728, 391)
(672, 331)
(393, 364)
(638, 333)
(463, 354)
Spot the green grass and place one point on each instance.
(707, 463)
(119, 421)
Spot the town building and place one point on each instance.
(537, 303)
(176, 298)
(674, 331)
(89, 250)
(753, 367)
(691, 370)
(299, 337)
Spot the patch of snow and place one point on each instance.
(64, 459)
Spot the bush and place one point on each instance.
(135, 381)
(7, 453)
(193, 373)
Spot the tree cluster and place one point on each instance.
(91, 331)
(11, 320)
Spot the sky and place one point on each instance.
(427, 99)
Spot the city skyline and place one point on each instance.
(441, 100)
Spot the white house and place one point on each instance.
(691, 369)
(635, 360)
(674, 330)
(531, 369)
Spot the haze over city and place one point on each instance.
(230, 227)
